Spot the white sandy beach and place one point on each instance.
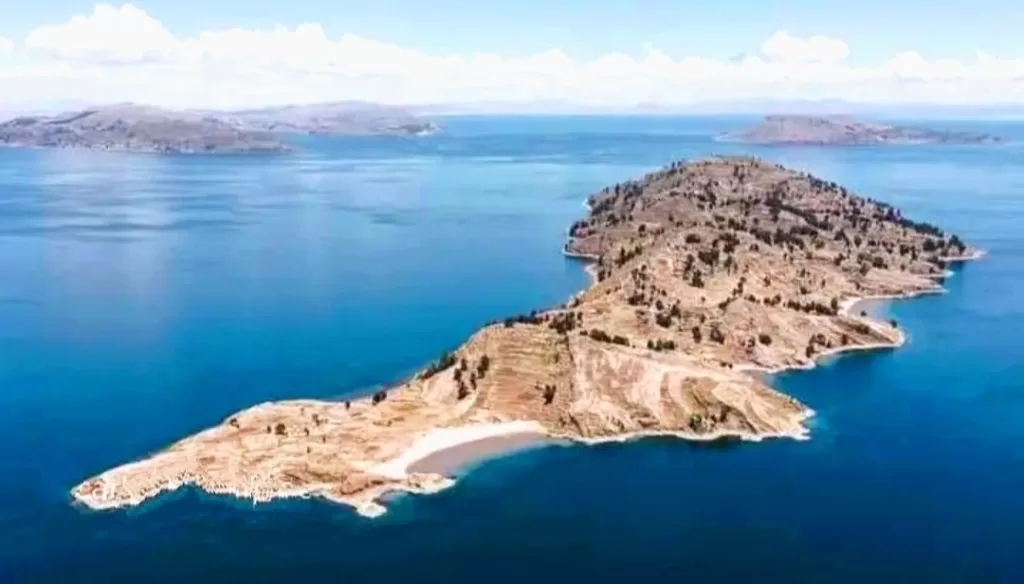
(440, 439)
(453, 461)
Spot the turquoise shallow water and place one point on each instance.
(144, 298)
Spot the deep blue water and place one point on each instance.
(143, 298)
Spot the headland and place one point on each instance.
(703, 272)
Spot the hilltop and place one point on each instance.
(844, 130)
(704, 273)
(135, 128)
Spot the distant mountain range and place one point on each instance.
(836, 107)
(339, 118)
(757, 107)
(845, 130)
(140, 128)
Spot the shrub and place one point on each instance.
(446, 361)
(549, 394)
(717, 335)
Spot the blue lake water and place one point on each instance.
(144, 298)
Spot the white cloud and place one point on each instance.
(816, 49)
(6, 46)
(120, 35)
(123, 53)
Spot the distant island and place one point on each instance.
(349, 118)
(704, 273)
(844, 130)
(140, 128)
(136, 128)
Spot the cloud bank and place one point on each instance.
(123, 53)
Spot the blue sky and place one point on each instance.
(604, 52)
(874, 29)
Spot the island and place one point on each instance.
(136, 128)
(704, 274)
(130, 127)
(844, 130)
(345, 118)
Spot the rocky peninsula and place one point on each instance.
(136, 128)
(704, 272)
(844, 130)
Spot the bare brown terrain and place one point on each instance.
(703, 271)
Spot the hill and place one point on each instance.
(340, 118)
(136, 128)
(843, 130)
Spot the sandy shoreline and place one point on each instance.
(448, 461)
(463, 439)
(451, 460)
(590, 267)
